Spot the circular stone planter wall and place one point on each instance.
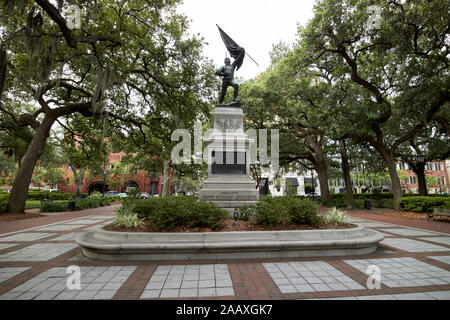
(141, 246)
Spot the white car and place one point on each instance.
(143, 195)
(123, 195)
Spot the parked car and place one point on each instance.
(123, 195)
(143, 195)
(112, 193)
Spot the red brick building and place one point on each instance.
(139, 179)
(439, 170)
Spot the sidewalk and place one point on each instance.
(413, 260)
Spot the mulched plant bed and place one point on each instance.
(414, 215)
(228, 226)
(19, 216)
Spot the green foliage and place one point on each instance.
(62, 206)
(41, 195)
(127, 218)
(55, 206)
(424, 204)
(91, 203)
(337, 216)
(32, 204)
(336, 202)
(277, 211)
(167, 213)
(3, 205)
(246, 212)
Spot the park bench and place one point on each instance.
(439, 212)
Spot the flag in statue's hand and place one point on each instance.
(236, 51)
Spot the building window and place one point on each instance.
(406, 166)
(443, 180)
(414, 180)
(111, 166)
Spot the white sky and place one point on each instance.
(254, 24)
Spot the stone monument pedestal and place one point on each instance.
(228, 148)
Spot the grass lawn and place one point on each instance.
(31, 204)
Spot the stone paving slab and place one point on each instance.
(6, 246)
(311, 276)
(67, 237)
(404, 272)
(82, 221)
(38, 252)
(61, 227)
(443, 240)
(433, 295)
(26, 236)
(96, 283)
(408, 232)
(410, 245)
(177, 281)
(445, 259)
(9, 272)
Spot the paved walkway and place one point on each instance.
(36, 255)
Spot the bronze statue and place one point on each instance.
(227, 71)
(227, 74)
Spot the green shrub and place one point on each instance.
(359, 203)
(246, 212)
(167, 213)
(337, 216)
(423, 204)
(95, 195)
(303, 212)
(54, 206)
(335, 203)
(276, 211)
(84, 204)
(3, 205)
(41, 195)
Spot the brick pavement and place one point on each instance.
(35, 253)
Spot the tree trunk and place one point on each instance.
(166, 173)
(16, 203)
(322, 172)
(349, 198)
(320, 165)
(78, 181)
(395, 181)
(419, 170)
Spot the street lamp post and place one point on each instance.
(104, 182)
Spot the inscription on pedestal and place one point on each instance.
(229, 163)
(230, 195)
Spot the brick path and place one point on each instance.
(35, 253)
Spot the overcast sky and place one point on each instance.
(254, 24)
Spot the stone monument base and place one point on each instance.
(229, 191)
